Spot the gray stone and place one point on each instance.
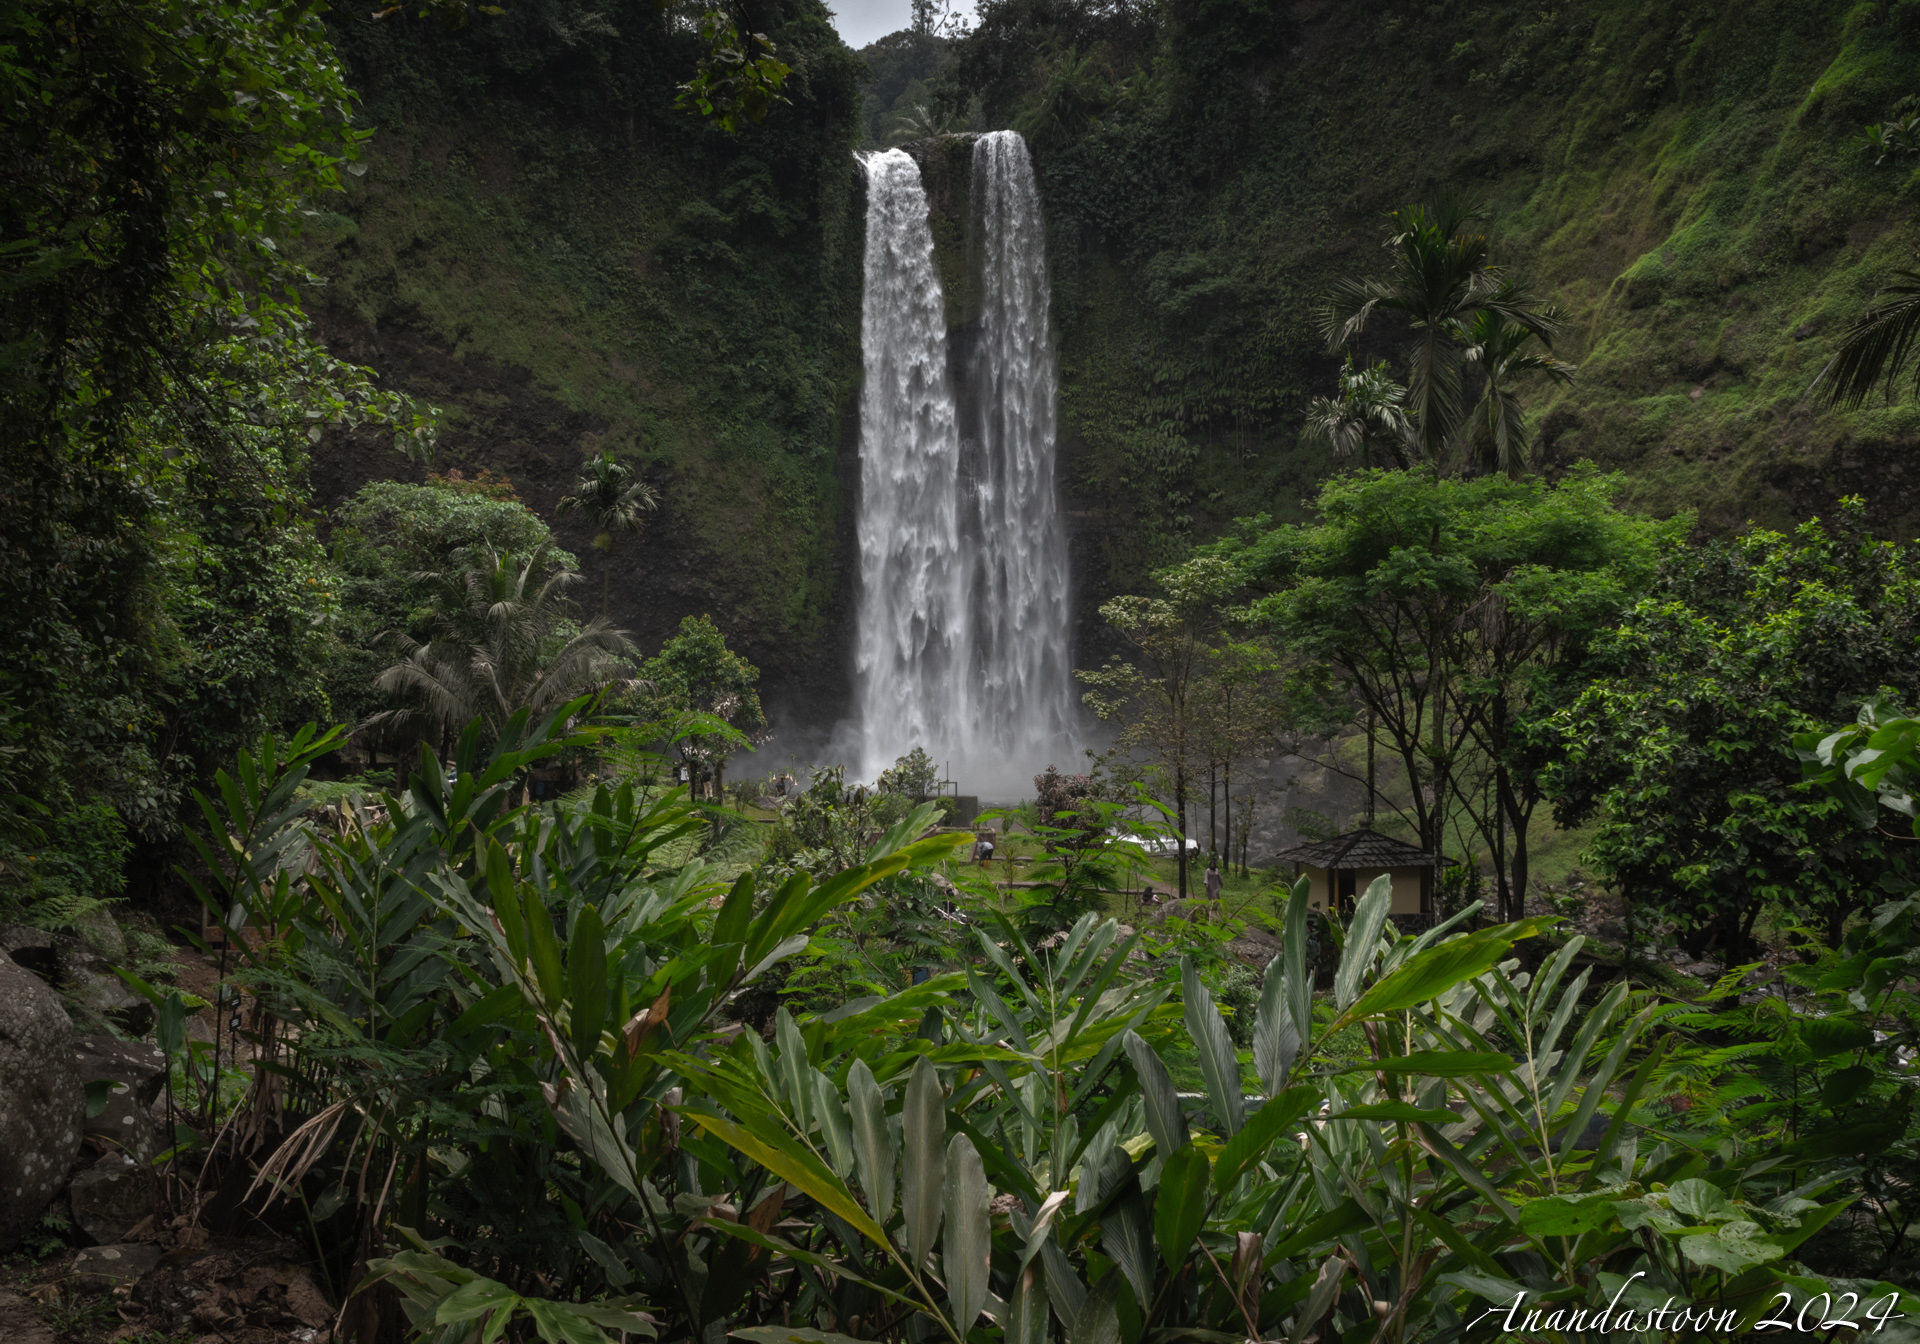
(88, 981)
(31, 948)
(137, 1073)
(1611, 930)
(111, 1198)
(41, 1102)
(111, 1266)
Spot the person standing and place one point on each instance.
(1213, 877)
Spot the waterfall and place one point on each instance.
(1018, 562)
(963, 638)
(910, 655)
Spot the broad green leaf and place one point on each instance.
(587, 980)
(1557, 1217)
(731, 924)
(543, 949)
(618, 1316)
(473, 1299)
(1093, 1161)
(1500, 1292)
(1166, 1121)
(788, 1334)
(1180, 1205)
(1363, 940)
(1098, 1320)
(796, 1075)
(872, 1139)
(776, 1151)
(1042, 1226)
(1439, 1063)
(923, 1134)
(1262, 1128)
(1127, 1241)
(1320, 1299)
(559, 1323)
(1439, 969)
(1346, 1216)
(1274, 1041)
(1727, 1249)
(1700, 1200)
(833, 1124)
(1218, 1063)
(1828, 1036)
(967, 1248)
(1027, 1315)
(1397, 1110)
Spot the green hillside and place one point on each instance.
(545, 248)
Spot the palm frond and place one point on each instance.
(1879, 345)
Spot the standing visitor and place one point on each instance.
(1213, 877)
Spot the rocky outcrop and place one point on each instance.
(135, 1072)
(42, 1105)
(112, 1198)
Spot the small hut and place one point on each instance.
(1341, 869)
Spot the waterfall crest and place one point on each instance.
(963, 637)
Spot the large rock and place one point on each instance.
(135, 1073)
(112, 1198)
(111, 1266)
(41, 1101)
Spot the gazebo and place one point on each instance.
(1342, 868)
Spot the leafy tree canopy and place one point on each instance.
(1676, 746)
(1444, 608)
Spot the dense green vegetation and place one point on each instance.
(527, 1021)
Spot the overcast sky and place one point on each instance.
(864, 21)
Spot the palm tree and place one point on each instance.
(920, 122)
(1879, 345)
(502, 646)
(1494, 437)
(1366, 415)
(1440, 282)
(613, 498)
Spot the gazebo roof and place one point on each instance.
(1359, 849)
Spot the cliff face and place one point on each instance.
(548, 250)
(1683, 180)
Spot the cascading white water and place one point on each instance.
(963, 639)
(911, 643)
(1017, 589)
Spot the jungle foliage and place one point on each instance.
(1672, 736)
(513, 1021)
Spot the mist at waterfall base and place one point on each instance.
(962, 627)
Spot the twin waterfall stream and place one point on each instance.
(963, 625)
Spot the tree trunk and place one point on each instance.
(1226, 804)
(1180, 813)
(1213, 809)
(1371, 793)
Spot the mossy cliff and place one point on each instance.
(1682, 179)
(543, 246)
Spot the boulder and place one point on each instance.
(136, 1073)
(42, 1105)
(112, 1197)
(88, 981)
(31, 948)
(111, 1266)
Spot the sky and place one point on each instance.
(864, 21)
